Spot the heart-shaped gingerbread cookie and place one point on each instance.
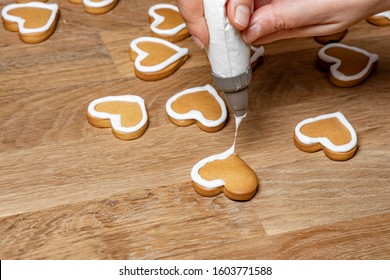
(227, 173)
(348, 66)
(96, 6)
(126, 114)
(331, 133)
(381, 19)
(331, 38)
(34, 21)
(167, 23)
(155, 58)
(201, 105)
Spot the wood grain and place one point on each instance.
(71, 191)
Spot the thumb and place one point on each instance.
(239, 12)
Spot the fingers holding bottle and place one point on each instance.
(193, 15)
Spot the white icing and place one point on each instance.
(323, 140)
(195, 176)
(158, 19)
(228, 54)
(102, 3)
(20, 21)
(385, 14)
(372, 58)
(194, 114)
(180, 52)
(116, 118)
(257, 53)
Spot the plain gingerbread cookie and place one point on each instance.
(331, 38)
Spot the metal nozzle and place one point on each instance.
(236, 90)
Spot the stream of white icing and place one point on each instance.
(195, 176)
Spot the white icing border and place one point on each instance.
(195, 176)
(115, 119)
(385, 14)
(194, 114)
(337, 62)
(20, 21)
(180, 52)
(159, 19)
(100, 4)
(257, 53)
(324, 140)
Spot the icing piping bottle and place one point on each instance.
(229, 56)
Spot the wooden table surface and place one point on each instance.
(71, 191)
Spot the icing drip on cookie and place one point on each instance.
(256, 53)
(218, 182)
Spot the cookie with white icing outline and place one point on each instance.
(167, 23)
(125, 114)
(200, 105)
(257, 56)
(381, 19)
(227, 173)
(331, 133)
(96, 6)
(34, 21)
(155, 58)
(348, 66)
(331, 38)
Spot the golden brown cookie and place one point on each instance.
(167, 23)
(125, 114)
(226, 173)
(348, 66)
(200, 105)
(155, 58)
(96, 6)
(34, 21)
(381, 19)
(331, 38)
(331, 133)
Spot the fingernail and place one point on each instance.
(252, 33)
(242, 15)
(197, 42)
